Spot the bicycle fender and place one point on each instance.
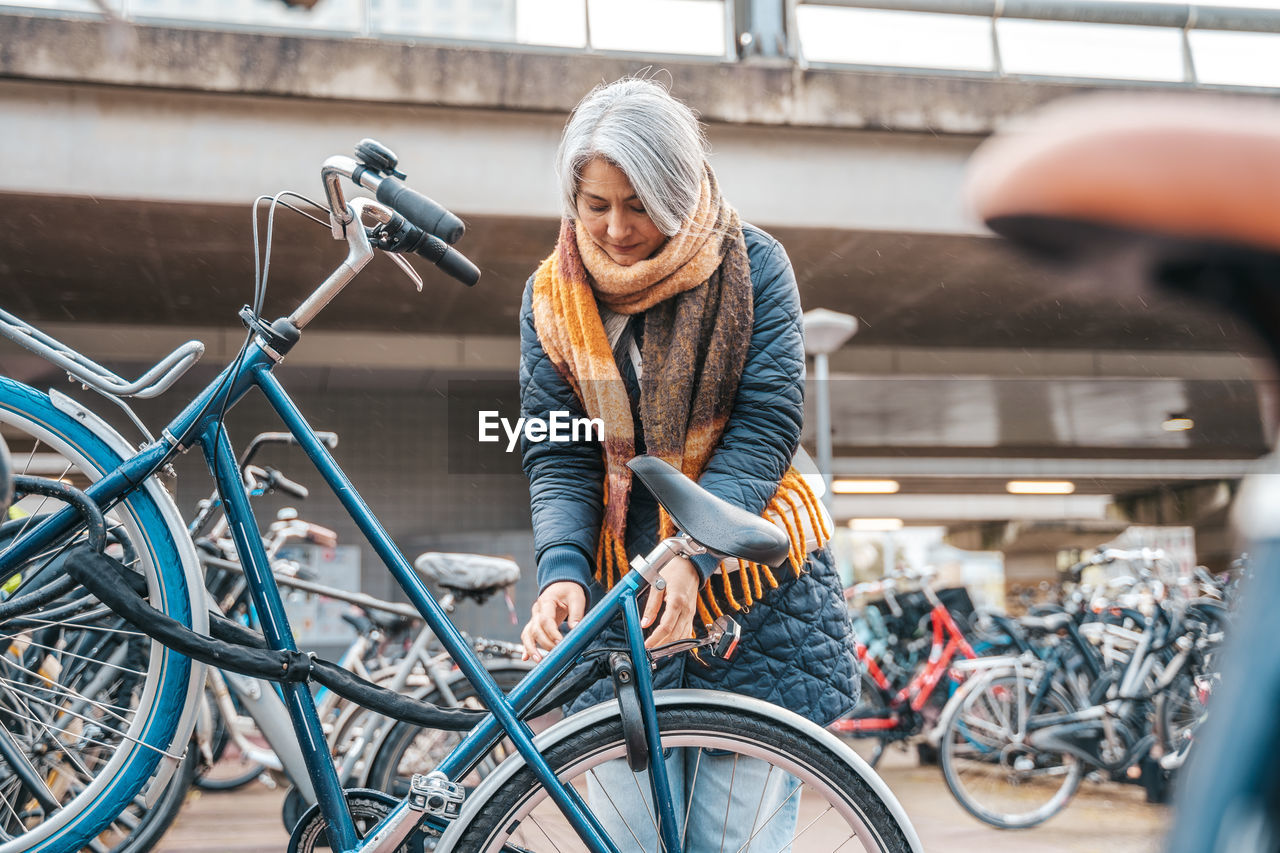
(191, 571)
(713, 699)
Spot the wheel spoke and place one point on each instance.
(732, 752)
(621, 816)
(693, 790)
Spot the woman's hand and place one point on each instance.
(562, 601)
(678, 602)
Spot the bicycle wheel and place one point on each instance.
(1180, 710)
(231, 768)
(831, 808)
(146, 826)
(988, 767)
(409, 749)
(87, 706)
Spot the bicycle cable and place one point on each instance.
(261, 271)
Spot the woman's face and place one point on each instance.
(613, 216)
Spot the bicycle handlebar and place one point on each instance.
(378, 166)
(270, 479)
(329, 439)
(399, 234)
(418, 209)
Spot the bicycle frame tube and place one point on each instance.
(921, 688)
(872, 668)
(200, 422)
(275, 627)
(658, 782)
(503, 717)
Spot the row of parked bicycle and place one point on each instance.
(244, 732)
(1111, 682)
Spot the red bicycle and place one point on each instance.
(900, 695)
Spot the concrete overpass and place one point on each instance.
(133, 156)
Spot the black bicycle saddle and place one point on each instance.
(714, 523)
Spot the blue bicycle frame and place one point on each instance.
(201, 424)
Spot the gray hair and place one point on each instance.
(655, 140)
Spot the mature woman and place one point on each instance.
(679, 326)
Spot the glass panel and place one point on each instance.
(60, 5)
(658, 26)
(558, 23)
(481, 20)
(875, 37)
(1237, 59)
(1090, 50)
(331, 15)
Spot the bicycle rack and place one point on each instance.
(83, 369)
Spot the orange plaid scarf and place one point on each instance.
(697, 300)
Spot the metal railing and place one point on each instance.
(485, 23)
(1182, 17)
(755, 29)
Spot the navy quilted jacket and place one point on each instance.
(797, 648)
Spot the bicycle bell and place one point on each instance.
(372, 154)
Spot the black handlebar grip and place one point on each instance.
(451, 261)
(420, 210)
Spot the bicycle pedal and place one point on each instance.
(434, 794)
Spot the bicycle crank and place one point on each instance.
(368, 807)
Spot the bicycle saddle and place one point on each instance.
(473, 574)
(363, 624)
(1093, 172)
(391, 624)
(717, 525)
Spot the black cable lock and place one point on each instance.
(232, 646)
(238, 649)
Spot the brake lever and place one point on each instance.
(408, 270)
(383, 216)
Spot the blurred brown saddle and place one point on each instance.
(1090, 171)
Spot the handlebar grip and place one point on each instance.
(452, 262)
(421, 211)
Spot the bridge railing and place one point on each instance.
(1130, 40)
(1180, 42)
(706, 27)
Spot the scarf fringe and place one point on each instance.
(793, 500)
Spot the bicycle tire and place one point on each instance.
(520, 803)
(402, 752)
(155, 821)
(1179, 711)
(133, 735)
(974, 748)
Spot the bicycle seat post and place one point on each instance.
(651, 564)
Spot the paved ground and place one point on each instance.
(1102, 819)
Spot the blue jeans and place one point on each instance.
(723, 802)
